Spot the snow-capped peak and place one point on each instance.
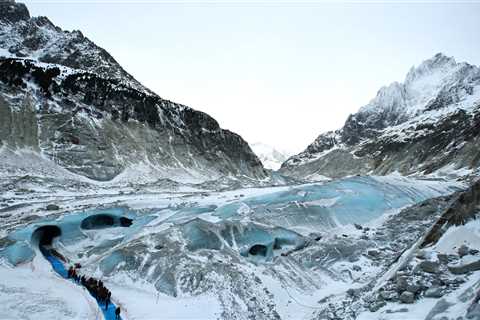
(271, 158)
(439, 63)
(421, 86)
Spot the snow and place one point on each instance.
(456, 236)
(141, 301)
(271, 157)
(42, 294)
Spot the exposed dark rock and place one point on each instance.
(407, 297)
(12, 12)
(429, 266)
(464, 267)
(434, 292)
(377, 305)
(413, 288)
(402, 284)
(463, 251)
(52, 207)
(443, 258)
(461, 210)
(373, 253)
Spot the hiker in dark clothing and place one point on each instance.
(73, 273)
(107, 299)
(117, 313)
(70, 272)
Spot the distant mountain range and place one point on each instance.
(271, 158)
(429, 123)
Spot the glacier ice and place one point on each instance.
(250, 240)
(67, 230)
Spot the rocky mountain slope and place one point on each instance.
(271, 158)
(431, 121)
(67, 99)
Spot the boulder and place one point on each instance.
(402, 284)
(429, 266)
(52, 207)
(373, 253)
(465, 265)
(377, 305)
(463, 250)
(389, 295)
(443, 258)
(351, 292)
(413, 288)
(357, 226)
(407, 297)
(434, 292)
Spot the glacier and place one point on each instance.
(246, 251)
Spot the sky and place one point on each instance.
(277, 72)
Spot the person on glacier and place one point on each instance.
(117, 313)
(107, 299)
(70, 272)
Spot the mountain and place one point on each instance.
(271, 158)
(430, 122)
(70, 102)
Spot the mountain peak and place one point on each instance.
(270, 157)
(11, 11)
(438, 62)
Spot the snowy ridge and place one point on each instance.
(403, 116)
(68, 99)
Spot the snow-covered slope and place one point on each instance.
(271, 158)
(428, 122)
(67, 99)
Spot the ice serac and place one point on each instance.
(68, 99)
(429, 122)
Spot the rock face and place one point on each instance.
(13, 12)
(428, 122)
(462, 209)
(76, 105)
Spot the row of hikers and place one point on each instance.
(95, 287)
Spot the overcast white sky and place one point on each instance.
(276, 72)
